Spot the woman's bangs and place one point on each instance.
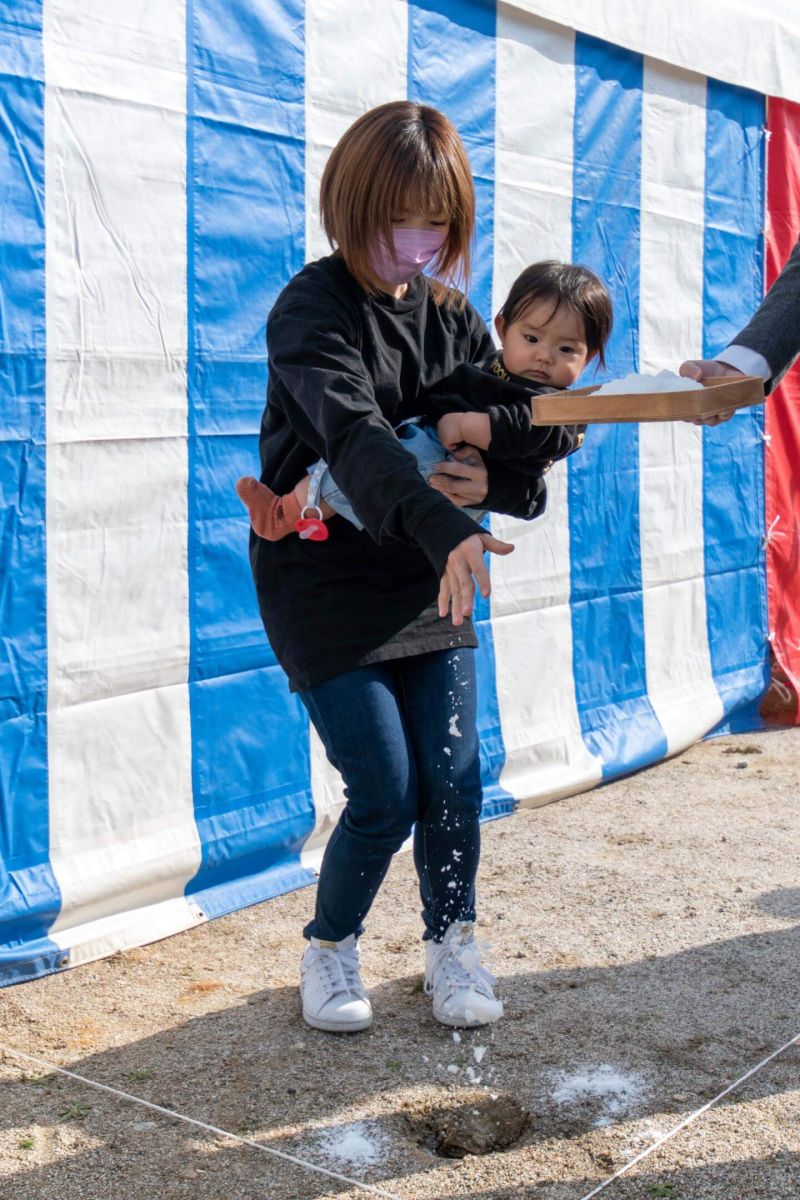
(422, 185)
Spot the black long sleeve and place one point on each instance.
(329, 401)
(774, 330)
(506, 400)
(345, 369)
(521, 494)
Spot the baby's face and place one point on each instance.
(545, 346)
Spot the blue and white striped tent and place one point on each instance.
(159, 168)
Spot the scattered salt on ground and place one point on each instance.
(616, 1091)
(357, 1143)
(454, 731)
(649, 1133)
(479, 1052)
(664, 381)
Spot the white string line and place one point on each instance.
(688, 1120)
(176, 1116)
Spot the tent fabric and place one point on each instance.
(783, 409)
(752, 45)
(160, 171)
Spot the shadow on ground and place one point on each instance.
(684, 1025)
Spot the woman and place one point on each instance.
(386, 674)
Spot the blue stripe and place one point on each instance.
(617, 719)
(451, 66)
(246, 223)
(733, 453)
(29, 895)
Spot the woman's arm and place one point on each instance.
(329, 401)
(496, 486)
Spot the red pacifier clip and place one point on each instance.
(313, 528)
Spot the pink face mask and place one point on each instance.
(411, 250)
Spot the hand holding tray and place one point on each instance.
(723, 394)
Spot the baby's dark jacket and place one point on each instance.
(506, 400)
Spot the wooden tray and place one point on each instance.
(724, 394)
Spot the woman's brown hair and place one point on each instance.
(397, 156)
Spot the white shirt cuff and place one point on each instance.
(748, 361)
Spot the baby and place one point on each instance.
(557, 318)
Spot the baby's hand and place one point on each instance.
(449, 430)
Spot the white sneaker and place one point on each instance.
(460, 986)
(334, 998)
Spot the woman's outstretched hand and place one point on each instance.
(464, 567)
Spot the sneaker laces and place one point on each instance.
(339, 970)
(457, 965)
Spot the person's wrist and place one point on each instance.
(475, 429)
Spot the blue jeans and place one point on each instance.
(403, 734)
(420, 440)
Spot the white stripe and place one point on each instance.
(99, 937)
(345, 76)
(680, 684)
(122, 825)
(356, 58)
(748, 43)
(546, 756)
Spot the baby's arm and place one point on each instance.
(514, 436)
(485, 408)
(457, 428)
(506, 431)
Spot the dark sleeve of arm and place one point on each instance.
(508, 407)
(466, 389)
(330, 403)
(517, 493)
(774, 331)
(515, 436)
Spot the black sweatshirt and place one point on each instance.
(344, 369)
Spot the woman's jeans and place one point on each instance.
(403, 735)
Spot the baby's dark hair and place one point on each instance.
(567, 284)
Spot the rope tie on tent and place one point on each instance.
(785, 693)
(772, 533)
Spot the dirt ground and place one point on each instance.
(646, 940)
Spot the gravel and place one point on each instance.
(646, 939)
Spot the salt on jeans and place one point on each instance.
(403, 734)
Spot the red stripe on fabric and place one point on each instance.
(782, 469)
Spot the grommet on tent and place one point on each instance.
(64, 962)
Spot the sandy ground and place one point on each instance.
(646, 940)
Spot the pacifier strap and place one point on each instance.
(315, 482)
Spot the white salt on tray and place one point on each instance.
(664, 381)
